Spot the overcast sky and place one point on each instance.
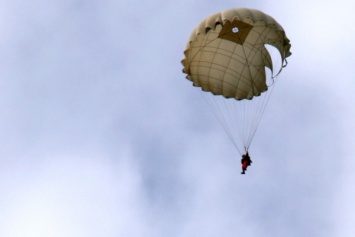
(102, 135)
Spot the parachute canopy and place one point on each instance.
(226, 53)
(227, 56)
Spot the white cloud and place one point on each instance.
(82, 83)
(73, 196)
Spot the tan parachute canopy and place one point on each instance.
(226, 53)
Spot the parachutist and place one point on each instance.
(246, 161)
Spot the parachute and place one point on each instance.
(235, 57)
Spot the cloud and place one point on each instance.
(103, 135)
(73, 196)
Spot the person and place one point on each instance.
(246, 161)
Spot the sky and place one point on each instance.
(102, 135)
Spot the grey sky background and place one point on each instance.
(102, 135)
